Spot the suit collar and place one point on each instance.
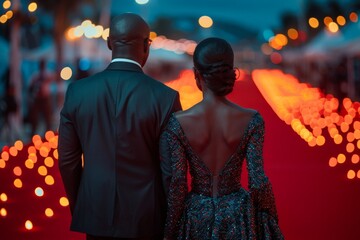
(125, 66)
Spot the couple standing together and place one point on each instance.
(125, 148)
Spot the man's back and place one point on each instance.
(114, 118)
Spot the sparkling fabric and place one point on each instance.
(217, 207)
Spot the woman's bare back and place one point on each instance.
(214, 131)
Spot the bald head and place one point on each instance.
(128, 37)
(128, 26)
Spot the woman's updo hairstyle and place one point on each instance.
(214, 61)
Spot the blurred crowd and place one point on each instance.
(339, 76)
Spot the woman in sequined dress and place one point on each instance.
(212, 139)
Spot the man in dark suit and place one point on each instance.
(114, 119)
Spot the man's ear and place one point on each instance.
(146, 46)
(109, 43)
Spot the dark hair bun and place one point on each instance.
(220, 79)
(214, 60)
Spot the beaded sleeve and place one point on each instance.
(265, 213)
(174, 169)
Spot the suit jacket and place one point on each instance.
(113, 120)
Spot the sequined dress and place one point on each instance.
(217, 207)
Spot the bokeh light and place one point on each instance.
(3, 212)
(49, 180)
(39, 192)
(205, 21)
(353, 17)
(66, 73)
(6, 4)
(18, 183)
(341, 20)
(313, 22)
(32, 7)
(333, 27)
(293, 34)
(49, 212)
(17, 171)
(3, 197)
(28, 225)
(64, 201)
(351, 174)
(141, 2)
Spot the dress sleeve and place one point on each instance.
(265, 213)
(173, 166)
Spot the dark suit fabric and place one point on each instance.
(114, 119)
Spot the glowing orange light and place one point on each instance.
(333, 27)
(5, 156)
(49, 212)
(348, 119)
(3, 19)
(64, 201)
(293, 33)
(3, 212)
(13, 151)
(317, 131)
(44, 151)
(70, 34)
(32, 7)
(357, 134)
(49, 135)
(42, 170)
(341, 158)
(29, 164)
(9, 14)
(344, 127)
(353, 17)
(18, 183)
(350, 136)
(2, 163)
(36, 138)
(313, 22)
(49, 180)
(350, 147)
(31, 149)
(105, 34)
(56, 154)
(17, 171)
(358, 144)
(332, 162)
(351, 174)
(327, 21)
(3, 197)
(347, 103)
(6, 4)
(205, 21)
(19, 145)
(312, 142)
(356, 125)
(355, 158)
(33, 157)
(28, 225)
(49, 162)
(341, 20)
(358, 174)
(320, 140)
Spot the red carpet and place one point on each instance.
(314, 201)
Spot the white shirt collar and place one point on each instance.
(125, 60)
